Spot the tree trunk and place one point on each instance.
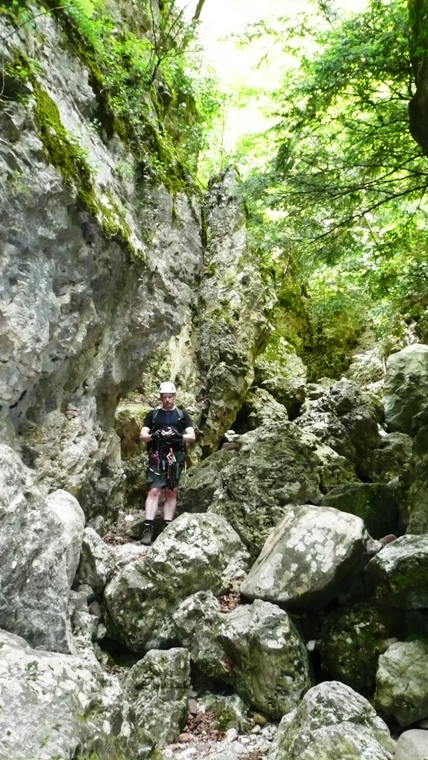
(418, 105)
(198, 10)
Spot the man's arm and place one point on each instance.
(145, 435)
(189, 435)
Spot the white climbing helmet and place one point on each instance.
(167, 388)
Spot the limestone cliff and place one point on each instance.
(102, 262)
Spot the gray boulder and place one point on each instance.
(198, 624)
(277, 466)
(157, 690)
(261, 408)
(399, 573)
(412, 745)
(255, 648)
(270, 664)
(229, 711)
(406, 389)
(308, 558)
(402, 681)
(40, 539)
(332, 722)
(374, 502)
(54, 706)
(345, 419)
(97, 561)
(196, 553)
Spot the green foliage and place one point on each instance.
(149, 86)
(146, 84)
(342, 204)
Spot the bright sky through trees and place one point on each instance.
(248, 73)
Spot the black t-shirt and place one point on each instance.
(166, 419)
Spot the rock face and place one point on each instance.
(399, 573)
(345, 419)
(232, 326)
(406, 389)
(307, 558)
(51, 705)
(333, 722)
(351, 641)
(256, 648)
(113, 278)
(40, 540)
(196, 553)
(96, 561)
(401, 680)
(416, 502)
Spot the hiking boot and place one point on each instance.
(147, 537)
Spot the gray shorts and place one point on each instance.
(157, 478)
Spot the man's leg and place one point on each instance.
(170, 504)
(151, 507)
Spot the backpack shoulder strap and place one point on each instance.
(180, 413)
(154, 415)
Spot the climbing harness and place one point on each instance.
(162, 459)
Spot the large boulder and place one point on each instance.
(402, 681)
(269, 659)
(157, 690)
(277, 466)
(196, 553)
(399, 573)
(308, 558)
(198, 625)
(406, 389)
(256, 648)
(345, 419)
(40, 540)
(53, 706)
(412, 745)
(333, 722)
(374, 502)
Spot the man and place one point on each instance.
(166, 431)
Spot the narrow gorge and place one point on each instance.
(283, 614)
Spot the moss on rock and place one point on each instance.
(351, 642)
